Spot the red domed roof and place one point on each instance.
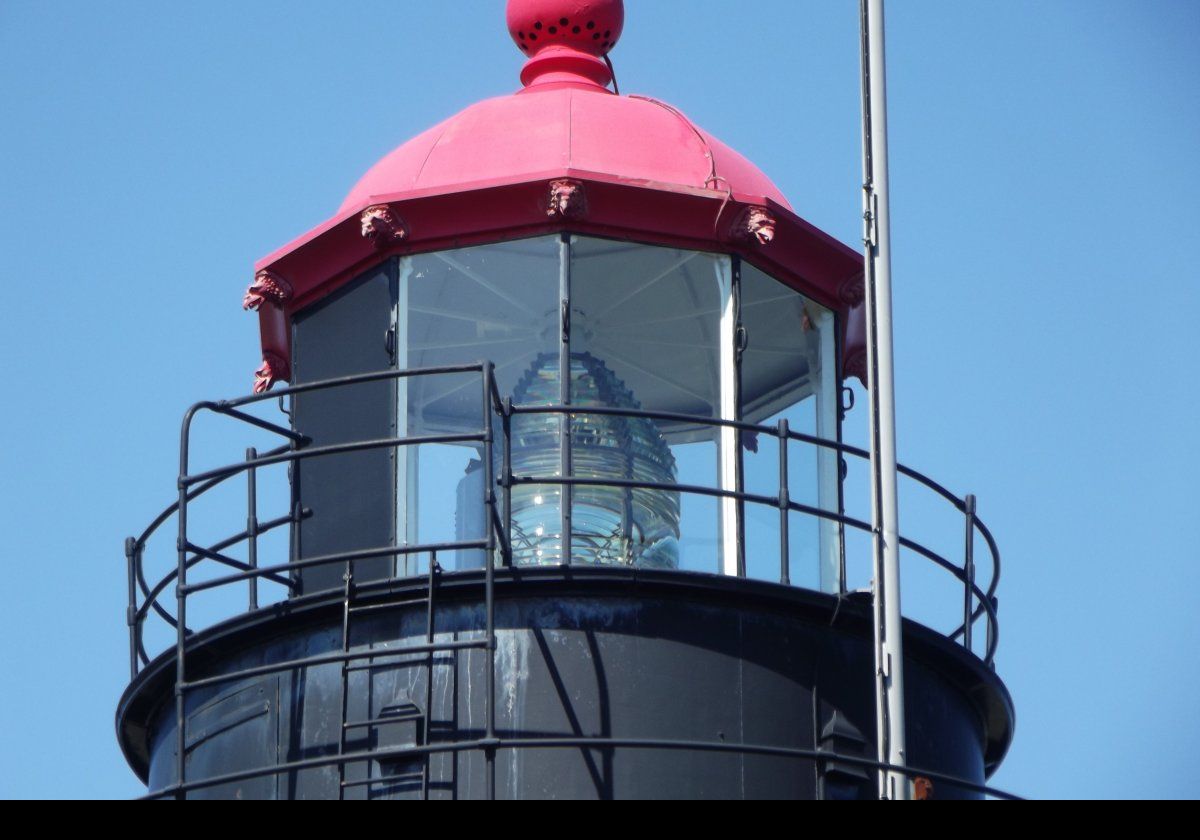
(563, 153)
(564, 121)
(551, 128)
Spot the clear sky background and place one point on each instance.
(1044, 176)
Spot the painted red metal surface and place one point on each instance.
(565, 39)
(564, 153)
(588, 128)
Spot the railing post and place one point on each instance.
(252, 525)
(566, 493)
(991, 630)
(506, 424)
(131, 551)
(181, 612)
(969, 570)
(489, 582)
(347, 596)
(785, 564)
(427, 724)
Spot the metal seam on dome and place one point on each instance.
(429, 154)
(712, 159)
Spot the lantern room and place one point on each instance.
(562, 391)
(597, 250)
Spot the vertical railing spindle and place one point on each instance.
(181, 545)
(968, 569)
(489, 499)
(428, 713)
(785, 562)
(506, 424)
(131, 550)
(252, 526)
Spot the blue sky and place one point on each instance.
(1043, 175)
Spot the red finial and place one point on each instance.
(566, 40)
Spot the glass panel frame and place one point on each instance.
(782, 333)
(698, 355)
(655, 325)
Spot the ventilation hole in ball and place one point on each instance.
(596, 37)
(537, 25)
(522, 34)
(532, 36)
(591, 24)
(564, 21)
(575, 29)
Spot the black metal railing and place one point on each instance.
(145, 600)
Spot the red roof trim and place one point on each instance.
(336, 251)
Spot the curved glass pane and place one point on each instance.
(788, 372)
(495, 303)
(623, 326)
(646, 326)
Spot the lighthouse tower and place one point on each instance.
(550, 410)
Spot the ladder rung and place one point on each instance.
(404, 713)
(387, 605)
(418, 650)
(418, 776)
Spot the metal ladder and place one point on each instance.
(399, 713)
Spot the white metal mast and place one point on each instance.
(889, 648)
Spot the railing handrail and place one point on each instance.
(801, 437)
(980, 602)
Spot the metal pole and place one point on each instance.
(889, 648)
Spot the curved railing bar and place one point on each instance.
(214, 476)
(139, 642)
(768, 501)
(339, 381)
(757, 428)
(338, 557)
(227, 408)
(160, 520)
(693, 489)
(801, 437)
(573, 742)
(331, 449)
(283, 454)
(985, 604)
(263, 528)
(994, 550)
(192, 561)
(197, 484)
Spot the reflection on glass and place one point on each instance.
(609, 525)
(636, 326)
(657, 319)
(491, 302)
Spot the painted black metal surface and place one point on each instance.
(352, 495)
(604, 682)
(701, 665)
